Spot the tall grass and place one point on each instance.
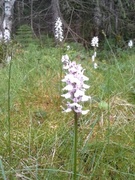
(42, 136)
(9, 111)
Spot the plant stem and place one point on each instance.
(75, 144)
(8, 118)
(108, 86)
(60, 53)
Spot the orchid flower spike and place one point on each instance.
(94, 41)
(65, 60)
(130, 43)
(75, 88)
(58, 30)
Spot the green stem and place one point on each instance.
(75, 145)
(108, 84)
(8, 119)
(60, 70)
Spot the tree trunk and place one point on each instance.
(97, 17)
(55, 12)
(55, 9)
(1, 20)
(6, 7)
(19, 6)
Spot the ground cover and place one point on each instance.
(41, 136)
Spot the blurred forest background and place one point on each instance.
(82, 19)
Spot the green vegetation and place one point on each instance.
(41, 136)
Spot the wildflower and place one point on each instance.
(95, 66)
(68, 47)
(94, 41)
(93, 58)
(95, 54)
(58, 30)
(65, 60)
(75, 88)
(130, 44)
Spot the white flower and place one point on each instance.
(78, 93)
(85, 98)
(94, 41)
(67, 95)
(93, 58)
(69, 87)
(85, 112)
(58, 30)
(68, 47)
(130, 43)
(95, 66)
(75, 86)
(85, 86)
(65, 60)
(85, 78)
(95, 54)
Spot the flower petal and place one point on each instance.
(84, 112)
(67, 95)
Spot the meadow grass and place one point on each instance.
(41, 136)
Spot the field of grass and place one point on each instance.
(37, 137)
